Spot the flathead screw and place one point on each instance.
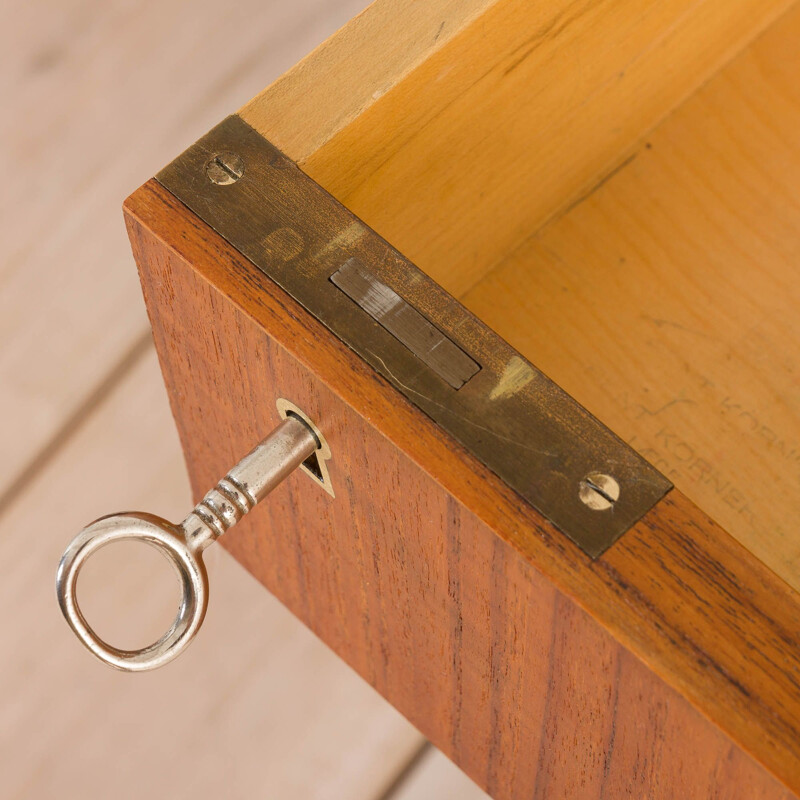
(598, 491)
(225, 168)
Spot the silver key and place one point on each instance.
(252, 479)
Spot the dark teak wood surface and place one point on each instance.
(667, 668)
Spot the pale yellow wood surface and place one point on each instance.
(512, 119)
(257, 707)
(668, 302)
(311, 103)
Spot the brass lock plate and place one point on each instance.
(445, 361)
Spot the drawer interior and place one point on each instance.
(624, 209)
(667, 301)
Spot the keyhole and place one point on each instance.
(315, 465)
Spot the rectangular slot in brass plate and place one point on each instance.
(483, 393)
(405, 323)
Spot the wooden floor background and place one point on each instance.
(96, 96)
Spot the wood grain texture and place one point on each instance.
(667, 668)
(682, 272)
(96, 97)
(516, 116)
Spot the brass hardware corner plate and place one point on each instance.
(455, 369)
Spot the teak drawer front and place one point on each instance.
(667, 662)
(405, 576)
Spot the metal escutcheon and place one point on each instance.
(294, 441)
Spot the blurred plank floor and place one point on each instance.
(97, 95)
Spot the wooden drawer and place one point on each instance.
(614, 191)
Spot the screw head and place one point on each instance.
(225, 168)
(598, 491)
